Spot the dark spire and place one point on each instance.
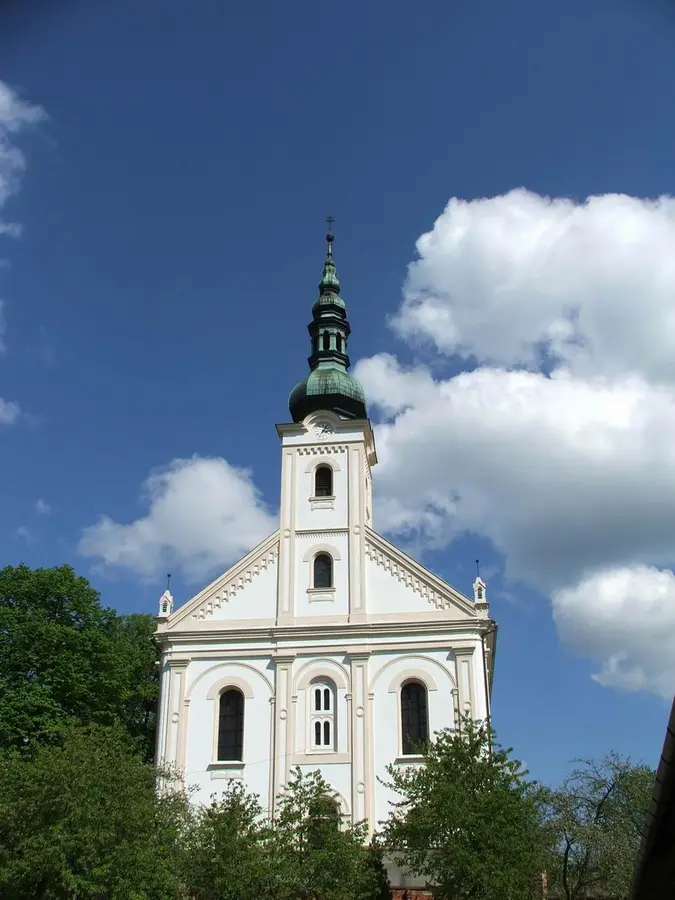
(328, 386)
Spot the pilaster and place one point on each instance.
(286, 589)
(361, 728)
(176, 676)
(464, 658)
(283, 730)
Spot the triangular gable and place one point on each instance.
(415, 576)
(227, 585)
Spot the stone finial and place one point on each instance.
(165, 605)
(480, 596)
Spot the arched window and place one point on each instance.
(322, 715)
(231, 725)
(323, 482)
(414, 718)
(326, 341)
(323, 571)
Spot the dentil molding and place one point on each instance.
(237, 583)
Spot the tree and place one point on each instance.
(315, 856)
(468, 820)
(225, 853)
(63, 656)
(596, 819)
(83, 819)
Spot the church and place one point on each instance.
(326, 647)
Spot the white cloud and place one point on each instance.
(15, 115)
(593, 281)
(9, 412)
(203, 514)
(570, 474)
(42, 508)
(24, 533)
(563, 474)
(626, 617)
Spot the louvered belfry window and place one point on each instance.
(231, 725)
(323, 482)
(414, 718)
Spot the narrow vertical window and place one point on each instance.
(323, 571)
(323, 482)
(231, 725)
(326, 341)
(322, 715)
(414, 718)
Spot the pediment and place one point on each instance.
(416, 577)
(228, 585)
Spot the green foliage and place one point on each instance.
(314, 855)
(63, 657)
(226, 856)
(596, 820)
(82, 820)
(468, 820)
(305, 853)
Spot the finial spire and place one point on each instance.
(328, 385)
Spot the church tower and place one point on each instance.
(326, 647)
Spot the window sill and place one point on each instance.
(409, 759)
(320, 594)
(226, 768)
(322, 502)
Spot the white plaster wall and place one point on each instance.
(201, 727)
(436, 669)
(256, 600)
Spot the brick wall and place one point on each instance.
(410, 894)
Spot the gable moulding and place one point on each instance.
(441, 596)
(227, 585)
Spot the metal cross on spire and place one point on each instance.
(329, 237)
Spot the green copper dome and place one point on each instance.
(331, 389)
(328, 386)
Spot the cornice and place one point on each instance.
(316, 633)
(415, 576)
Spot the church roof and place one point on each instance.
(329, 386)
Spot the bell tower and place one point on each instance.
(327, 455)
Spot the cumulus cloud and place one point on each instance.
(42, 508)
(203, 514)
(558, 443)
(626, 617)
(563, 474)
(592, 283)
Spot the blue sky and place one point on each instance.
(156, 303)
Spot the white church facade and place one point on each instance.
(326, 647)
